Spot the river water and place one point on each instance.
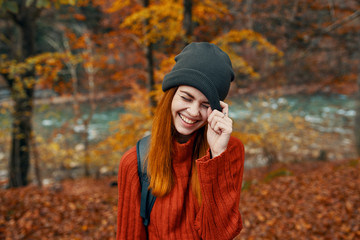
(331, 116)
(326, 113)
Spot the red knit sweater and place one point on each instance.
(178, 214)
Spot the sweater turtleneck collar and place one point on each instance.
(183, 151)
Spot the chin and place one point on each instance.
(184, 132)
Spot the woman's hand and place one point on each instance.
(219, 129)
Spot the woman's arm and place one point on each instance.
(129, 222)
(220, 180)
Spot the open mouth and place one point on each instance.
(187, 120)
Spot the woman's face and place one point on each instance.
(189, 110)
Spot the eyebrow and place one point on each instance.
(206, 102)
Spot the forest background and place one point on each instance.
(79, 81)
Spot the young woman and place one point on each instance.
(195, 167)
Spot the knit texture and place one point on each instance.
(178, 215)
(205, 67)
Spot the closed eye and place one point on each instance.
(205, 106)
(186, 99)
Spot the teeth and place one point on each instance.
(186, 119)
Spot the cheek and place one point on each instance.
(204, 115)
(174, 108)
(177, 105)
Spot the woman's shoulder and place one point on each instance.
(128, 177)
(128, 160)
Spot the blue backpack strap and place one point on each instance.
(147, 199)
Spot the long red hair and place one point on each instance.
(159, 157)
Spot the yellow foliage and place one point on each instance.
(164, 21)
(248, 37)
(208, 10)
(242, 66)
(67, 2)
(118, 5)
(248, 137)
(165, 67)
(133, 124)
(54, 146)
(45, 65)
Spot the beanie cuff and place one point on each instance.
(196, 79)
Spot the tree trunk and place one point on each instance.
(20, 145)
(187, 22)
(91, 71)
(150, 73)
(357, 117)
(86, 149)
(23, 99)
(150, 63)
(294, 10)
(249, 13)
(36, 157)
(331, 9)
(28, 29)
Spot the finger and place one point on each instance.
(216, 118)
(212, 114)
(215, 129)
(215, 113)
(221, 127)
(225, 108)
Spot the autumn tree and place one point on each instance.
(21, 84)
(18, 69)
(149, 23)
(72, 61)
(319, 40)
(88, 57)
(171, 25)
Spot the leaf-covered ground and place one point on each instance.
(318, 200)
(315, 200)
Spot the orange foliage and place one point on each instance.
(318, 200)
(164, 22)
(46, 66)
(209, 10)
(70, 210)
(79, 17)
(118, 5)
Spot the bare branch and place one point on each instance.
(329, 29)
(331, 9)
(342, 22)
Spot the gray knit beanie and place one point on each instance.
(205, 67)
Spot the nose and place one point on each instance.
(194, 110)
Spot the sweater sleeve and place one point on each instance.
(129, 222)
(220, 182)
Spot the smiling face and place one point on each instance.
(189, 110)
